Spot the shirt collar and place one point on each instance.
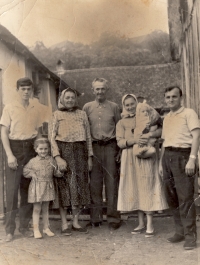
(18, 104)
(97, 104)
(176, 112)
(42, 158)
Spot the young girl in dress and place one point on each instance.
(41, 189)
(140, 185)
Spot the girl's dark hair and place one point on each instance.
(41, 141)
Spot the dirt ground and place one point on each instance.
(99, 247)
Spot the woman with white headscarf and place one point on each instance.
(71, 146)
(140, 185)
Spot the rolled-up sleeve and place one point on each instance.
(88, 135)
(120, 135)
(52, 132)
(192, 120)
(5, 118)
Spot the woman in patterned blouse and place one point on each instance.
(71, 146)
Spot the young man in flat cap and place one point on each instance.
(20, 123)
(181, 133)
(103, 116)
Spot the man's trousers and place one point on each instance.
(104, 171)
(23, 151)
(180, 190)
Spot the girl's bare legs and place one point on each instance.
(45, 217)
(150, 227)
(36, 217)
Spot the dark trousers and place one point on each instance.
(23, 151)
(179, 190)
(104, 169)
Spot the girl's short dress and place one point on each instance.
(41, 189)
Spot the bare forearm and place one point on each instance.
(5, 141)
(162, 153)
(130, 142)
(156, 134)
(195, 143)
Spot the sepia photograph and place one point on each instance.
(100, 132)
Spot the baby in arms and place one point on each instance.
(147, 120)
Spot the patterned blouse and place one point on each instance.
(69, 126)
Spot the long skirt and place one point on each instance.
(73, 187)
(141, 187)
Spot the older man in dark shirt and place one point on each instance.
(103, 116)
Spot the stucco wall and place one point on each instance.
(146, 82)
(13, 68)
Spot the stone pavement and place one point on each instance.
(99, 247)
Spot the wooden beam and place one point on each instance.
(2, 165)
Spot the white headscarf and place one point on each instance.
(125, 113)
(61, 105)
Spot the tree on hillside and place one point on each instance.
(109, 50)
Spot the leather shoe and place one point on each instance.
(9, 237)
(66, 232)
(150, 234)
(138, 231)
(176, 238)
(96, 224)
(190, 244)
(48, 232)
(26, 232)
(37, 234)
(114, 226)
(80, 229)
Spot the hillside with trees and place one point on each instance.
(109, 50)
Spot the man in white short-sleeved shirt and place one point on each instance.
(20, 123)
(181, 133)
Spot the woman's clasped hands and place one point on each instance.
(61, 163)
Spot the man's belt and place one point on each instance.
(27, 141)
(178, 149)
(102, 142)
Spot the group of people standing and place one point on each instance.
(85, 146)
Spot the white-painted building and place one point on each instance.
(16, 61)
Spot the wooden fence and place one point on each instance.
(190, 54)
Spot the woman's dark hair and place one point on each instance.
(168, 89)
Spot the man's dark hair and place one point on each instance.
(168, 89)
(25, 81)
